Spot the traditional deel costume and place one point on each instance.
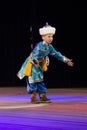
(34, 76)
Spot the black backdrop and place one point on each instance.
(70, 40)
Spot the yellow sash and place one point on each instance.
(28, 69)
(44, 65)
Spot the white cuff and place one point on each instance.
(65, 58)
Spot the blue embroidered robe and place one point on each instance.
(40, 51)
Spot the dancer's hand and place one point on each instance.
(36, 63)
(69, 62)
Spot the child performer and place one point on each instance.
(35, 65)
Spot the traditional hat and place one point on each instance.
(47, 29)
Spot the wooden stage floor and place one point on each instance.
(68, 110)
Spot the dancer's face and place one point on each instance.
(48, 38)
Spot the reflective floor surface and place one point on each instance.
(68, 110)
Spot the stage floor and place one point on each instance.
(68, 110)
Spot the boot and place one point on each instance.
(44, 99)
(33, 98)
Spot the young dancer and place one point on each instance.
(36, 64)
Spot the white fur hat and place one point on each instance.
(47, 29)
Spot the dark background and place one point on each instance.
(70, 39)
